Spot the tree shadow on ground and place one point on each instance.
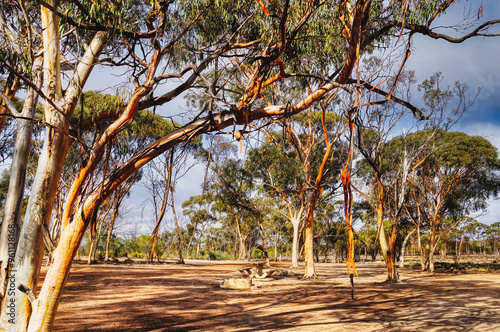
(188, 298)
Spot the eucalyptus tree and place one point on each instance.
(319, 153)
(393, 160)
(455, 180)
(163, 173)
(234, 188)
(493, 233)
(253, 48)
(282, 176)
(288, 165)
(201, 215)
(58, 110)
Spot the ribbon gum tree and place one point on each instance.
(253, 46)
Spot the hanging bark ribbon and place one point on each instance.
(346, 184)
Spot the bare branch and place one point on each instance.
(476, 32)
(416, 111)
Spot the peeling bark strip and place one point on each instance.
(348, 199)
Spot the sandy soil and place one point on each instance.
(169, 297)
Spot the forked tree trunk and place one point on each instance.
(461, 244)
(188, 248)
(310, 271)
(154, 234)
(241, 239)
(94, 245)
(163, 207)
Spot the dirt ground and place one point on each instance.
(170, 297)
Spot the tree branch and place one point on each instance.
(416, 111)
(476, 32)
(98, 27)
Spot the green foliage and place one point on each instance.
(198, 209)
(277, 168)
(93, 103)
(116, 15)
(467, 165)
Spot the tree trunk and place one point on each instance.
(391, 262)
(164, 204)
(112, 222)
(295, 242)
(91, 250)
(264, 245)
(461, 244)
(45, 307)
(432, 240)
(384, 248)
(403, 247)
(11, 224)
(154, 234)
(198, 245)
(420, 248)
(188, 248)
(276, 247)
(241, 248)
(241, 240)
(310, 271)
(179, 237)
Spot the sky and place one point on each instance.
(475, 62)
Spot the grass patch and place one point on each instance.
(467, 266)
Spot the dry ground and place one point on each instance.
(169, 297)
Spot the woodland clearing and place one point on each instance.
(171, 297)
